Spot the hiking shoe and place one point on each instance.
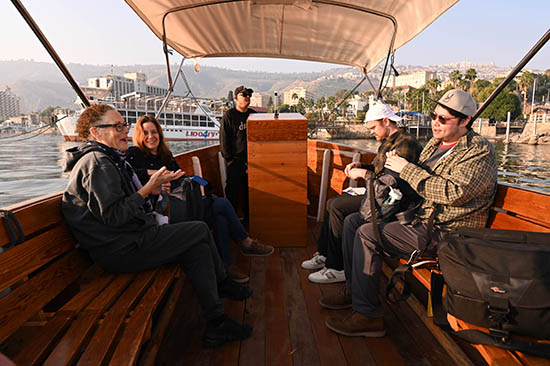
(257, 249)
(317, 262)
(357, 325)
(228, 288)
(226, 331)
(340, 301)
(327, 275)
(236, 275)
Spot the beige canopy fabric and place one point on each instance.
(315, 30)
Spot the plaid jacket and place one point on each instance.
(405, 144)
(462, 185)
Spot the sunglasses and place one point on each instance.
(442, 120)
(245, 95)
(119, 127)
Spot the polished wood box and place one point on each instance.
(277, 178)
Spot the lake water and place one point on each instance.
(31, 167)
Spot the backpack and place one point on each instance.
(496, 279)
(188, 190)
(385, 195)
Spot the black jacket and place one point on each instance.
(233, 134)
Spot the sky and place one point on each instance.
(103, 32)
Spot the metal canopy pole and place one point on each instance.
(32, 24)
(513, 73)
(326, 2)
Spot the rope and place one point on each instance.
(12, 225)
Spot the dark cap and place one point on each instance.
(242, 89)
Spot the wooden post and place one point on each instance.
(507, 140)
(277, 178)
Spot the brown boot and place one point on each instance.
(357, 325)
(339, 301)
(236, 275)
(257, 249)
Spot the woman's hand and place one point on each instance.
(349, 167)
(160, 177)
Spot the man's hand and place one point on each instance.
(357, 173)
(350, 166)
(394, 162)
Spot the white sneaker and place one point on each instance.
(327, 275)
(318, 261)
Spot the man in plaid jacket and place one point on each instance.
(456, 176)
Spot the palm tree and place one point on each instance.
(525, 81)
(432, 85)
(470, 75)
(320, 105)
(455, 77)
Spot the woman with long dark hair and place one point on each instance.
(151, 153)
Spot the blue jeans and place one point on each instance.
(225, 223)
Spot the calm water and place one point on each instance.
(32, 167)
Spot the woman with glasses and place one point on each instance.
(111, 216)
(150, 154)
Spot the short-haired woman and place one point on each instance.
(108, 211)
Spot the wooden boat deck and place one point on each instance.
(289, 324)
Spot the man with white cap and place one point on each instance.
(456, 176)
(381, 121)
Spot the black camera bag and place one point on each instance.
(497, 279)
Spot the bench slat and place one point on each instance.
(36, 351)
(69, 346)
(16, 263)
(139, 326)
(529, 204)
(35, 215)
(34, 294)
(104, 336)
(500, 220)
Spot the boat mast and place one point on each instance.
(42, 38)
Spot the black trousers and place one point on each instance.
(329, 243)
(237, 180)
(189, 244)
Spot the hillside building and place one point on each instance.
(300, 92)
(259, 100)
(10, 104)
(416, 79)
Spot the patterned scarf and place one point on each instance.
(126, 171)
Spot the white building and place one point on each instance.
(259, 100)
(300, 92)
(9, 103)
(416, 79)
(121, 85)
(356, 104)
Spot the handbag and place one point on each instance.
(499, 280)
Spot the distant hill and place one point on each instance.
(41, 84)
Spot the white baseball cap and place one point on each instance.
(379, 110)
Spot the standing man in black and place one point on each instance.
(234, 149)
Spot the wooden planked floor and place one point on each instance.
(289, 324)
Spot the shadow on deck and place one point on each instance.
(289, 324)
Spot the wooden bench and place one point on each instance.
(57, 308)
(515, 209)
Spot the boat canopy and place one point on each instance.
(358, 33)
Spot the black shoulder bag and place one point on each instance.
(499, 280)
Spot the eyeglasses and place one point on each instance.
(119, 127)
(245, 95)
(442, 120)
